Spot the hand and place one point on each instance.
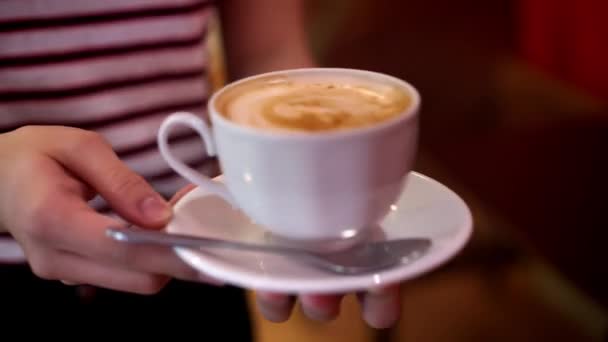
(47, 176)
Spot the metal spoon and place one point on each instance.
(366, 257)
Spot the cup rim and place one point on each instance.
(411, 113)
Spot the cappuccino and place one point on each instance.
(312, 103)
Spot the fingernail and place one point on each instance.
(321, 316)
(321, 307)
(275, 307)
(155, 209)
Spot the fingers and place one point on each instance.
(278, 307)
(72, 269)
(84, 233)
(92, 159)
(65, 222)
(68, 224)
(381, 308)
(275, 307)
(321, 307)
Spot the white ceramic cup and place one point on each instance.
(313, 186)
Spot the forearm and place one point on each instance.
(264, 35)
(274, 60)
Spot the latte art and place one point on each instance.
(311, 104)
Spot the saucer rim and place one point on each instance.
(435, 257)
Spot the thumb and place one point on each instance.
(94, 161)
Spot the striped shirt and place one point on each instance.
(117, 67)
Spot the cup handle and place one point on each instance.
(197, 124)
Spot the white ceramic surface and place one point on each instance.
(425, 209)
(318, 186)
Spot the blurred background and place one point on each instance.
(515, 119)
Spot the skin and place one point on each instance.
(48, 174)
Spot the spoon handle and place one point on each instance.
(142, 236)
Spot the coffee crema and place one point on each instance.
(312, 103)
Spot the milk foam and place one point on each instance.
(312, 103)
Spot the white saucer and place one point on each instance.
(425, 209)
